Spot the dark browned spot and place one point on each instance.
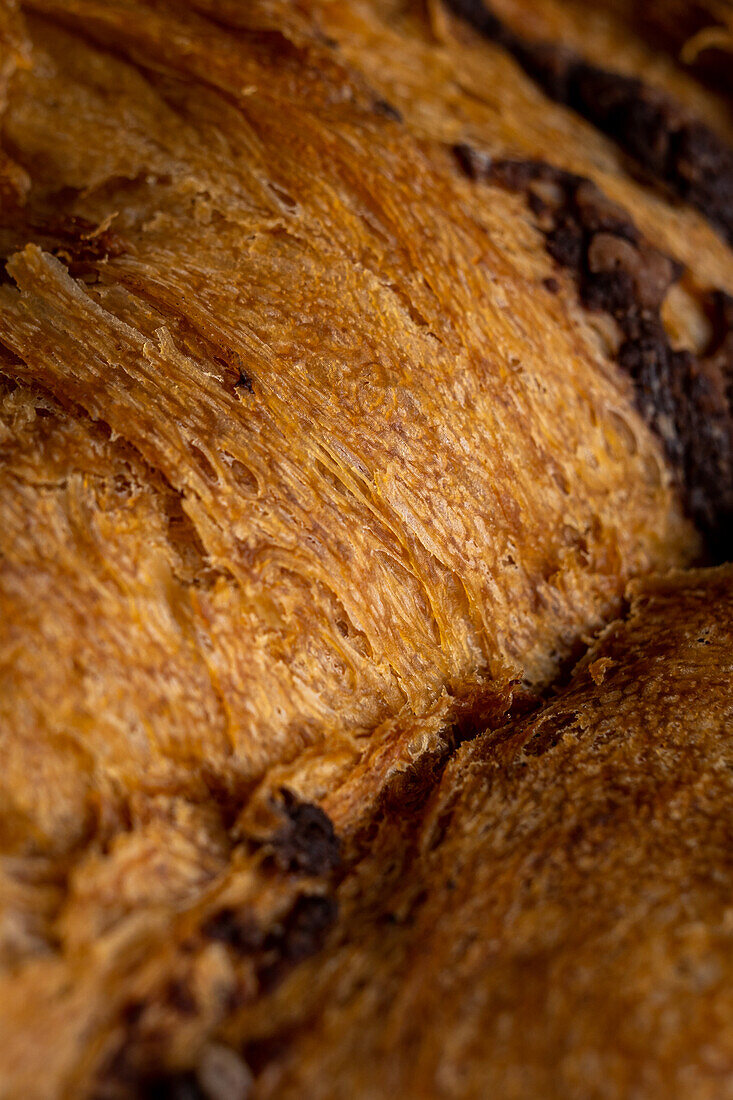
(174, 1086)
(244, 382)
(73, 240)
(307, 843)
(301, 934)
(686, 399)
(180, 997)
(134, 1068)
(236, 928)
(387, 110)
(663, 138)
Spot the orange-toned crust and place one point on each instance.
(559, 923)
(305, 468)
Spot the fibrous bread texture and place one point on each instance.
(314, 462)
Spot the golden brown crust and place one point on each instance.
(305, 466)
(560, 924)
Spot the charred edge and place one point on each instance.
(672, 147)
(686, 399)
(307, 844)
(400, 811)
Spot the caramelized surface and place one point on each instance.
(560, 924)
(304, 467)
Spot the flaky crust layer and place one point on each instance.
(314, 462)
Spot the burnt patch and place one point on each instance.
(306, 927)
(301, 934)
(481, 19)
(260, 1052)
(134, 1068)
(307, 843)
(304, 844)
(669, 144)
(236, 928)
(132, 1013)
(686, 399)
